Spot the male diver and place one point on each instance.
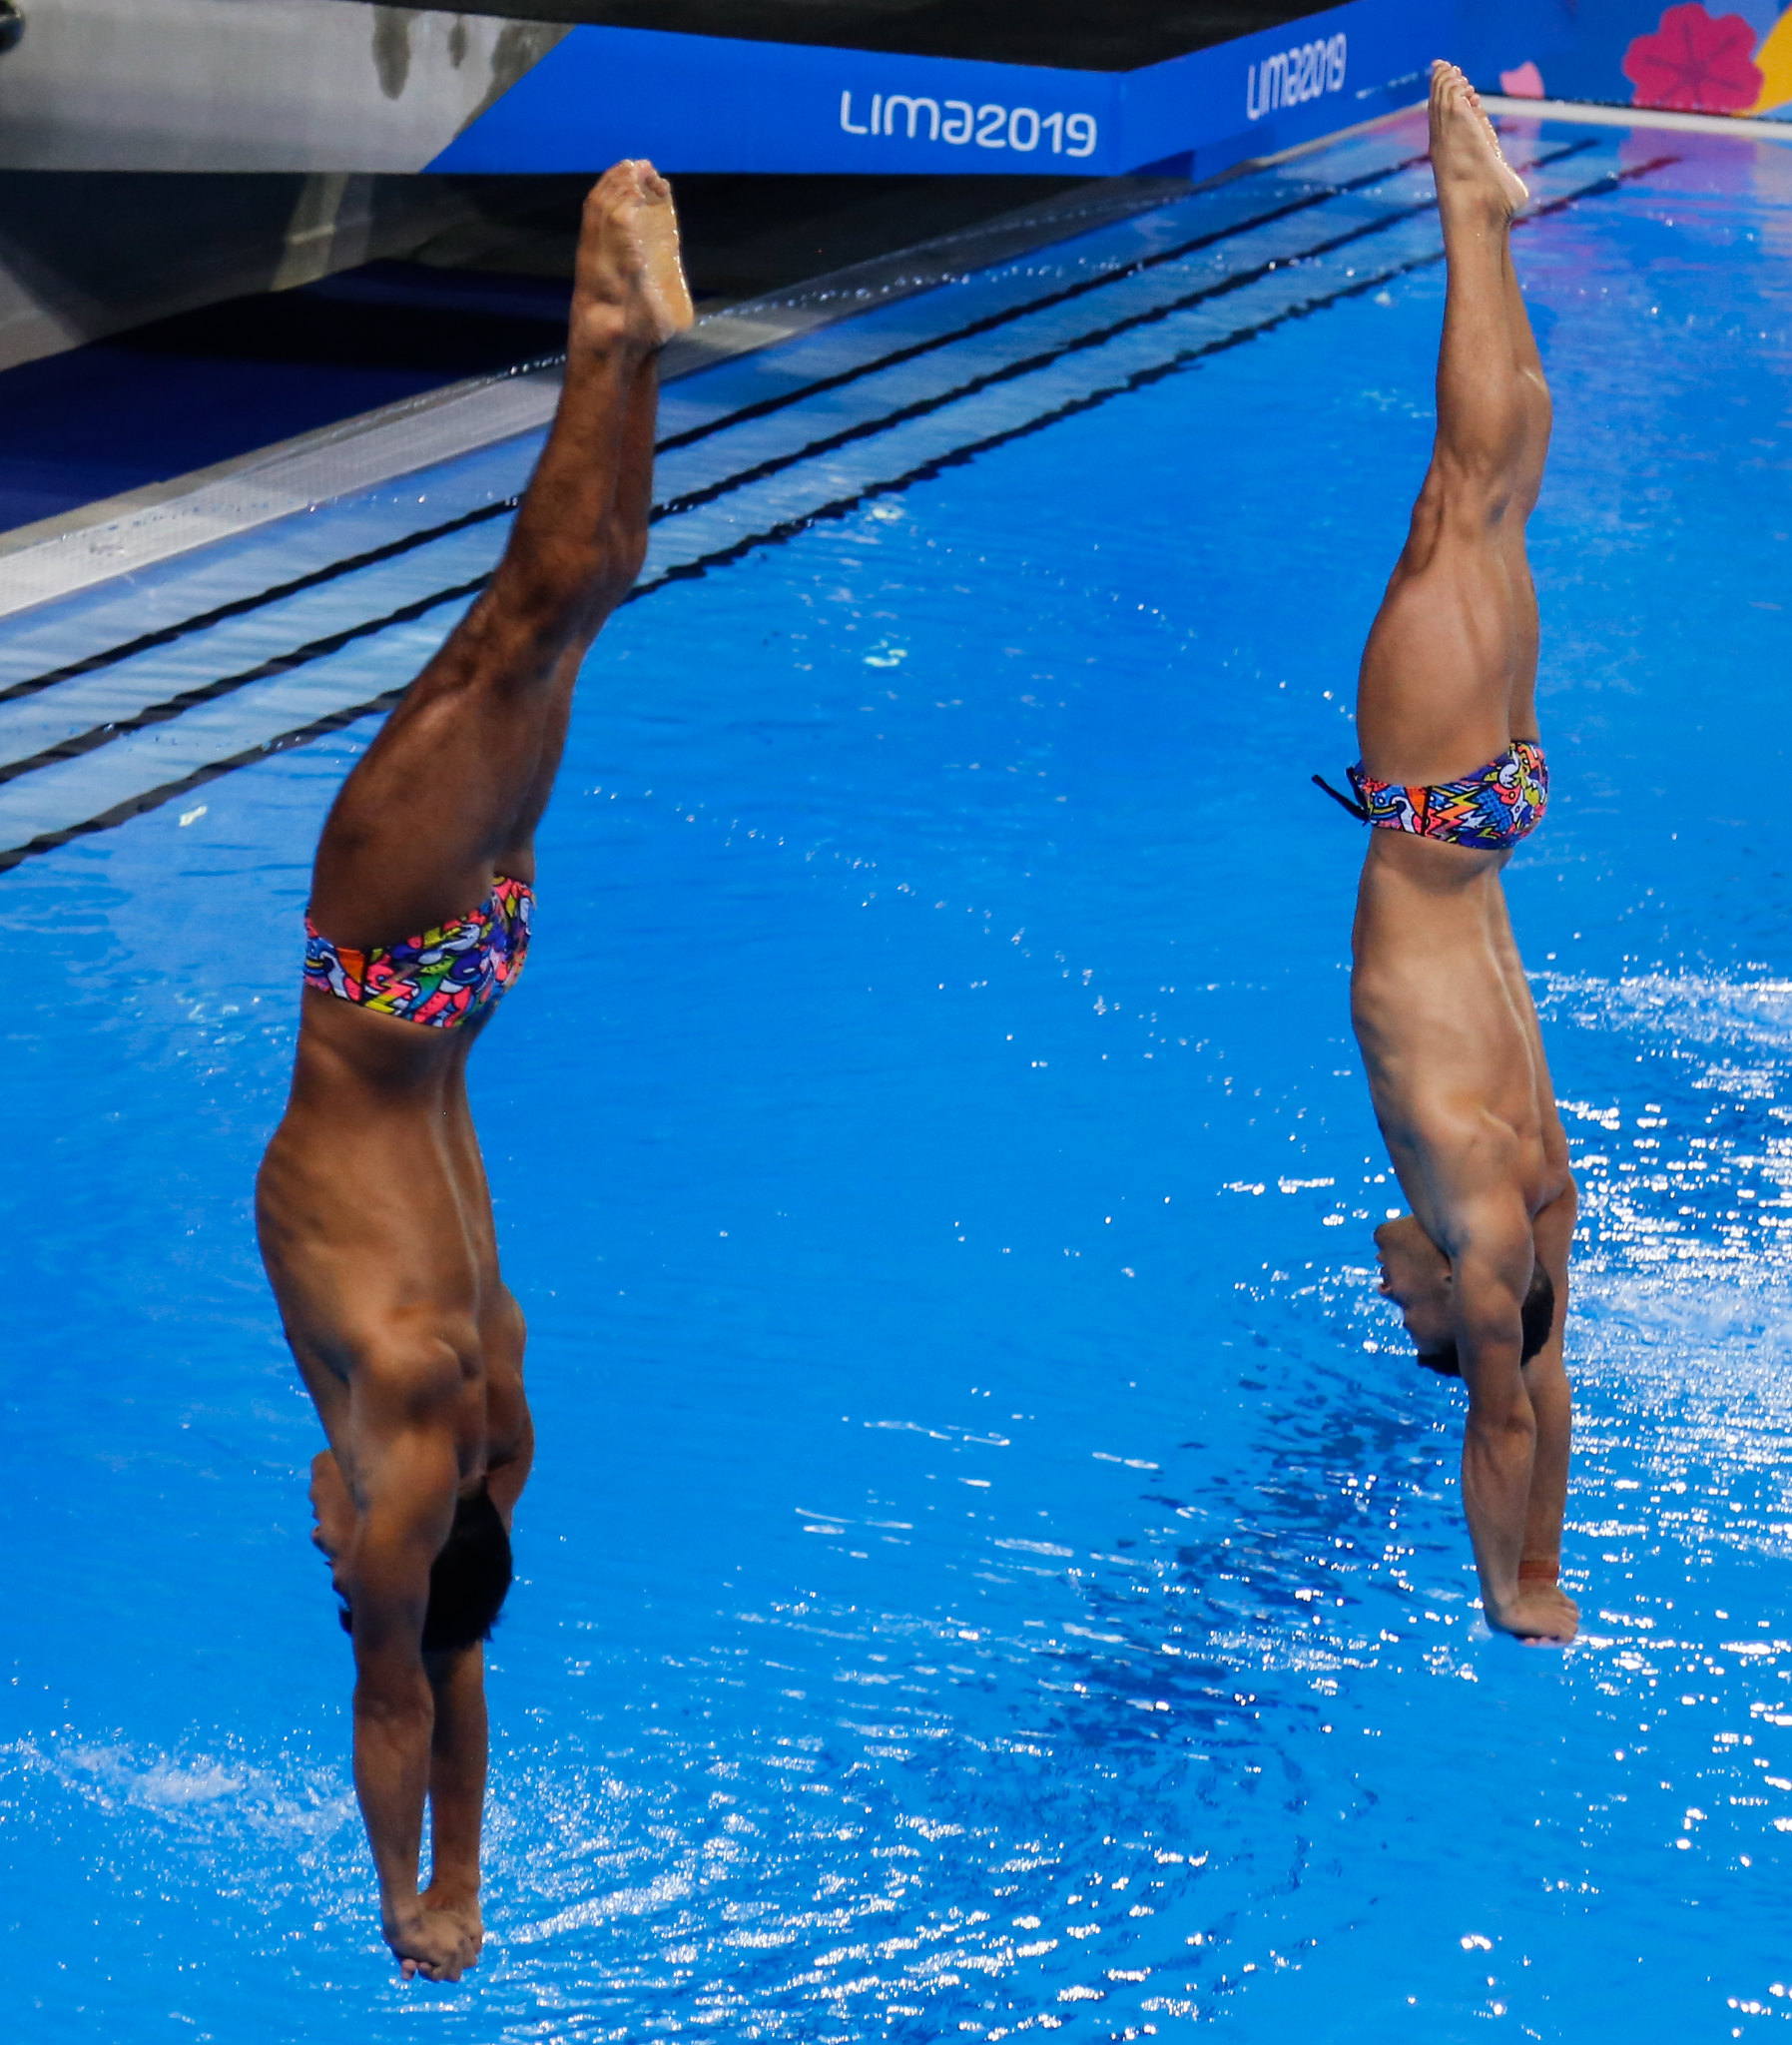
(1442, 1007)
(374, 1214)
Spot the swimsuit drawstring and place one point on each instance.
(1343, 800)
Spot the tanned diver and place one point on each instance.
(1452, 776)
(375, 1216)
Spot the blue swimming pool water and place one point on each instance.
(991, 1567)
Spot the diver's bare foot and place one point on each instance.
(432, 1943)
(460, 1906)
(629, 281)
(1540, 1615)
(1467, 159)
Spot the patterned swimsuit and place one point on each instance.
(442, 979)
(1488, 811)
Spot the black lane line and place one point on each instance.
(865, 429)
(153, 798)
(1094, 337)
(1137, 379)
(1084, 286)
(350, 564)
(789, 528)
(99, 735)
(202, 621)
(765, 407)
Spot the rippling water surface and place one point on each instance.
(991, 1567)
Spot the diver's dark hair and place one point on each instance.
(1536, 1317)
(468, 1580)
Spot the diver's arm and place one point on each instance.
(457, 1760)
(458, 1750)
(1493, 1265)
(1546, 1380)
(405, 1470)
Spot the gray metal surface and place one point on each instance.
(252, 84)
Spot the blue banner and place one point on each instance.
(712, 103)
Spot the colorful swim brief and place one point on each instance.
(1488, 811)
(442, 979)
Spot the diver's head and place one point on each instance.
(1415, 1275)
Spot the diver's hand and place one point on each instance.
(1540, 1614)
(459, 1906)
(434, 1943)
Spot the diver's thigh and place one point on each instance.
(1433, 699)
(432, 809)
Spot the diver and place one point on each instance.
(372, 1208)
(1442, 1007)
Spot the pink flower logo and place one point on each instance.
(1694, 63)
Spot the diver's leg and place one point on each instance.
(632, 508)
(1534, 388)
(1456, 638)
(449, 791)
